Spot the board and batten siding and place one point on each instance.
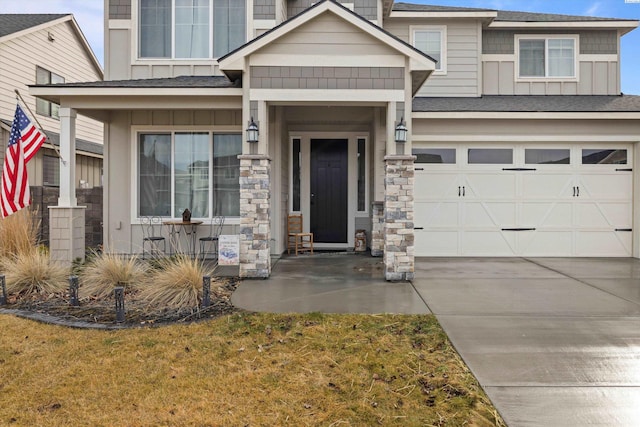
(462, 43)
(64, 56)
(598, 66)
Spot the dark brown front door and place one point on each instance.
(329, 190)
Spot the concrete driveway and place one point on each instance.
(554, 342)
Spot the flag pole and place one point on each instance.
(20, 98)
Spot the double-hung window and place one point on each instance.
(194, 29)
(46, 108)
(432, 41)
(547, 57)
(199, 171)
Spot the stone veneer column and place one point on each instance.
(255, 226)
(377, 229)
(399, 250)
(66, 233)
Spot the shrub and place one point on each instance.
(176, 283)
(19, 234)
(33, 272)
(108, 270)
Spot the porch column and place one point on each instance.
(255, 225)
(67, 220)
(399, 248)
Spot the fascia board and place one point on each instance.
(443, 15)
(625, 26)
(527, 115)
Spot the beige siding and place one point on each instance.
(65, 56)
(462, 60)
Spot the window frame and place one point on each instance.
(137, 131)
(49, 104)
(546, 38)
(136, 16)
(442, 29)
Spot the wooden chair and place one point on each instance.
(297, 240)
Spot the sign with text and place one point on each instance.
(229, 250)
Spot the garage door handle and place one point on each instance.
(519, 169)
(518, 229)
(624, 229)
(577, 191)
(624, 170)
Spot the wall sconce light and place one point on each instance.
(50, 37)
(401, 131)
(252, 132)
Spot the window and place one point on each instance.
(362, 174)
(546, 156)
(174, 174)
(50, 171)
(46, 108)
(201, 28)
(547, 57)
(435, 155)
(491, 156)
(432, 41)
(604, 157)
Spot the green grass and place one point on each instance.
(242, 369)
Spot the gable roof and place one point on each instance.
(17, 24)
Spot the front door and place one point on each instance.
(328, 218)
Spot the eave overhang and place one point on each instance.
(623, 26)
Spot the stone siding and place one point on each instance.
(119, 9)
(255, 226)
(502, 42)
(390, 78)
(377, 229)
(399, 249)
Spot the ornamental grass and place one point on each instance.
(107, 270)
(19, 234)
(34, 273)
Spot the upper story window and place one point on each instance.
(194, 29)
(46, 108)
(432, 40)
(547, 56)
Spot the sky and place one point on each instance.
(89, 14)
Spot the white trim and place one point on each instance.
(327, 95)
(546, 38)
(573, 25)
(498, 57)
(448, 14)
(119, 24)
(528, 115)
(263, 24)
(447, 139)
(442, 29)
(611, 57)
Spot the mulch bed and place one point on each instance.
(55, 308)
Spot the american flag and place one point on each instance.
(24, 141)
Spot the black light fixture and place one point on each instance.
(252, 132)
(401, 131)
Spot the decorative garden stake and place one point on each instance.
(118, 293)
(206, 291)
(3, 296)
(73, 291)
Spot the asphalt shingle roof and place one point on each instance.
(14, 22)
(531, 103)
(503, 15)
(81, 144)
(169, 82)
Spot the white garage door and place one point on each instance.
(507, 200)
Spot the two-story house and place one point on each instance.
(43, 49)
(438, 130)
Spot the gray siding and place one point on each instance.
(327, 78)
(119, 9)
(264, 9)
(591, 42)
(366, 8)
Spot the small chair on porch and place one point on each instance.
(297, 240)
(152, 235)
(215, 229)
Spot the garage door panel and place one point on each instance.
(546, 243)
(546, 214)
(492, 214)
(606, 187)
(436, 214)
(603, 215)
(436, 243)
(490, 185)
(603, 243)
(436, 186)
(488, 243)
(546, 186)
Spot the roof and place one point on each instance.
(168, 82)
(13, 23)
(531, 103)
(503, 15)
(81, 144)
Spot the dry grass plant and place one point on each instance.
(108, 270)
(19, 233)
(34, 273)
(242, 369)
(176, 283)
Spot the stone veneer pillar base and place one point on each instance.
(399, 250)
(66, 233)
(255, 225)
(377, 229)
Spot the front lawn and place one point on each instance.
(240, 370)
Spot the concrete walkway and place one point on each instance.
(554, 342)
